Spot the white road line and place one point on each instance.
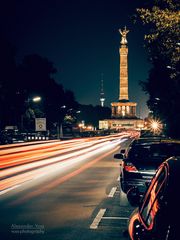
(118, 218)
(118, 179)
(112, 192)
(97, 219)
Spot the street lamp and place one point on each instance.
(156, 126)
(59, 125)
(64, 106)
(68, 116)
(34, 99)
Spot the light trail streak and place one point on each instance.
(51, 158)
(46, 161)
(37, 146)
(61, 180)
(29, 155)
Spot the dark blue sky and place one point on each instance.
(82, 39)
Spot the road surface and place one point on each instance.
(63, 190)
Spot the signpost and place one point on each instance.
(40, 124)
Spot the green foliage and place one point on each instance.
(162, 21)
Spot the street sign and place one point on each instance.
(40, 124)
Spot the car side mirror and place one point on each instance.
(134, 196)
(119, 156)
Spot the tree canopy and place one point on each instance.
(162, 39)
(162, 21)
(92, 114)
(20, 83)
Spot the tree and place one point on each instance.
(92, 114)
(7, 82)
(162, 42)
(36, 78)
(163, 21)
(20, 83)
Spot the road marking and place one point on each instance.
(112, 192)
(116, 218)
(97, 219)
(118, 179)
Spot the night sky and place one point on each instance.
(82, 39)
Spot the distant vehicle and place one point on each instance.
(139, 164)
(158, 212)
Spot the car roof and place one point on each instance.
(154, 150)
(173, 165)
(150, 141)
(173, 170)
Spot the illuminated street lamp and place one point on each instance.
(156, 126)
(64, 106)
(34, 99)
(60, 126)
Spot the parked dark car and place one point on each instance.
(139, 165)
(143, 140)
(149, 139)
(157, 217)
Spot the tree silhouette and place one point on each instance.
(162, 42)
(19, 84)
(36, 78)
(7, 82)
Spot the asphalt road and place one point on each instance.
(77, 201)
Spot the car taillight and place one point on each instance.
(129, 167)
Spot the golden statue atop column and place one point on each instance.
(123, 108)
(123, 66)
(123, 111)
(123, 34)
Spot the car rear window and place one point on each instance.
(153, 152)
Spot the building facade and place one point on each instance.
(118, 124)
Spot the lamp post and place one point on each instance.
(68, 116)
(35, 100)
(60, 123)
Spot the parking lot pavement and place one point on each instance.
(112, 215)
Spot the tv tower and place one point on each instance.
(102, 98)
